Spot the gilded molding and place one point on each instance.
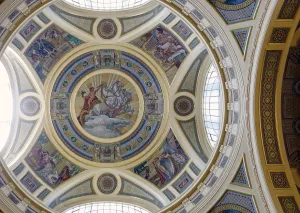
(267, 108)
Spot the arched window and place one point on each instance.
(106, 207)
(106, 4)
(211, 105)
(6, 106)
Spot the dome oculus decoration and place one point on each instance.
(107, 4)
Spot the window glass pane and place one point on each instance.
(107, 207)
(106, 4)
(6, 109)
(211, 106)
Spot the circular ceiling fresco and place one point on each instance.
(107, 105)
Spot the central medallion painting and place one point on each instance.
(107, 105)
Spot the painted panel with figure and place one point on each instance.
(164, 47)
(29, 30)
(49, 164)
(162, 167)
(107, 105)
(48, 48)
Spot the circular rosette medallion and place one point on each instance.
(108, 105)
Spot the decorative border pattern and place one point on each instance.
(289, 204)
(267, 108)
(279, 35)
(289, 9)
(279, 180)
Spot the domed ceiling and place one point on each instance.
(125, 106)
(170, 106)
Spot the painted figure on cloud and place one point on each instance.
(100, 117)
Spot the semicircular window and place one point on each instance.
(107, 4)
(106, 207)
(6, 107)
(211, 106)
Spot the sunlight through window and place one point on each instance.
(211, 106)
(106, 207)
(106, 4)
(6, 106)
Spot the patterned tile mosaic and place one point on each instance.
(236, 202)
(234, 11)
(241, 178)
(242, 36)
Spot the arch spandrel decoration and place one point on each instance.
(196, 196)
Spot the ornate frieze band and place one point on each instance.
(267, 107)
